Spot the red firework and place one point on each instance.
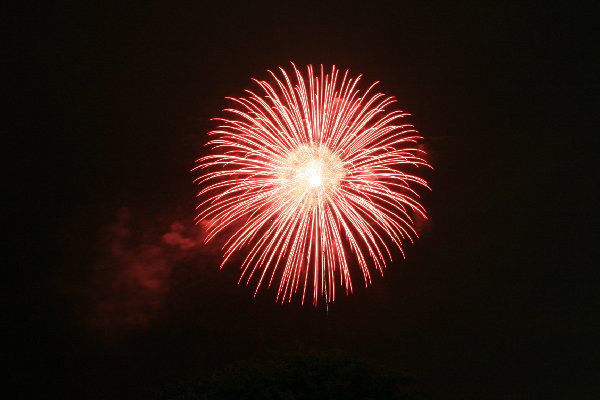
(312, 174)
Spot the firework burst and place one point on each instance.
(312, 176)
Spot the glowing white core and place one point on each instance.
(312, 172)
(315, 180)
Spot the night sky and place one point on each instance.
(117, 297)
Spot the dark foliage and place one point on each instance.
(305, 376)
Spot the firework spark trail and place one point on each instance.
(305, 170)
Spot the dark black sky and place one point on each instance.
(497, 300)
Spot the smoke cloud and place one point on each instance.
(131, 278)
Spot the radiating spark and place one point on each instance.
(313, 175)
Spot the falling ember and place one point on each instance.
(314, 175)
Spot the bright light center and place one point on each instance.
(315, 180)
(312, 173)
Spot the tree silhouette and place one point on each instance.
(314, 376)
